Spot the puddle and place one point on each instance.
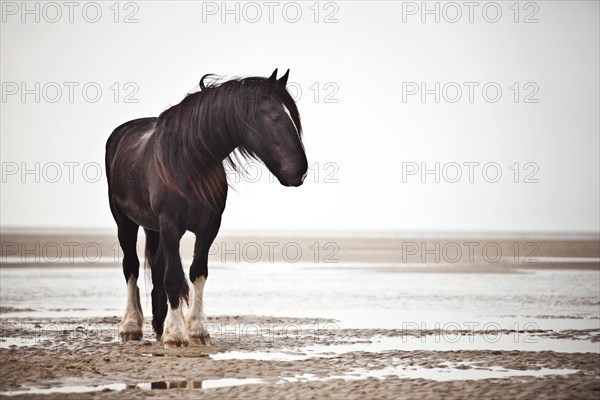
(15, 342)
(449, 372)
(262, 356)
(217, 383)
(447, 341)
(159, 385)
(450, 341)
(67, 389)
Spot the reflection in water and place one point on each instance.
(169, 385)
(197, 384)
(158, 385)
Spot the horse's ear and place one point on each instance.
(284, 78)
(273, 75)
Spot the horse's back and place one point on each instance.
(128, 130)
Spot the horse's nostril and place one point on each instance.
(304, 176)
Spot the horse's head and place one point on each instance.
(275, 133)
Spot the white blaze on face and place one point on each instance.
(293, 123)
(297, 133)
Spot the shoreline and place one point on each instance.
(18, 249)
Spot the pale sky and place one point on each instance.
(516, 98)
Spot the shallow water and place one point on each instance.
(356, 297)
(449, 372)
(408, 343)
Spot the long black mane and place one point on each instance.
(196, 135)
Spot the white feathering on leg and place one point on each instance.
(196, 319)
(133, 319)
(174, 331)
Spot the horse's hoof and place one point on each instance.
(175, 343)
(200, 339)
(131, 336)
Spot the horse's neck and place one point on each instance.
(220, 143)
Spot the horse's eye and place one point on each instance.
(276, 117)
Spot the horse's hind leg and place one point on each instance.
(133, 320)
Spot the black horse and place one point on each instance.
(167, 175)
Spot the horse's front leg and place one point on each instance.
(196, 318)
(174, 331)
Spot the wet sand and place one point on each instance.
(313, 329)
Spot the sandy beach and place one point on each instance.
(312, 317)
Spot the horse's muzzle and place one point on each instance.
(291, 175)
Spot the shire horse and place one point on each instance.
(167, 175)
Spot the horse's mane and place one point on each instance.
(196, 135)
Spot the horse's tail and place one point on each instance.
(151, 251)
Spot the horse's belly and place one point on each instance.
(147, 221)
(137, 209)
